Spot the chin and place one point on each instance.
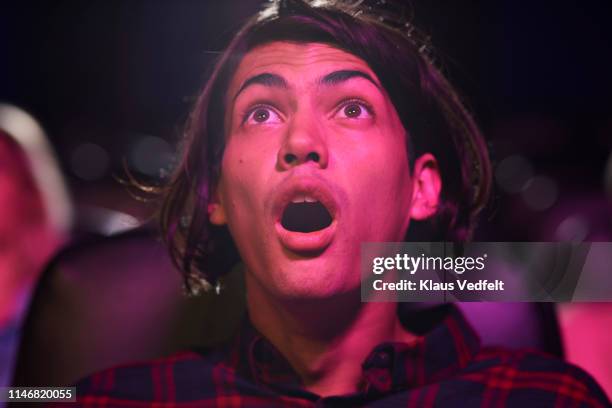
(311, 280)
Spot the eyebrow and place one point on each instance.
(333, 78)
(338, 77)
(265, 79)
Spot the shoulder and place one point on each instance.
(165, 379)
(524, 377)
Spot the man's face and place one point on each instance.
(315, 164)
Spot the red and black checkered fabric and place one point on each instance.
(445, 368)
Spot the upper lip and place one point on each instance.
(304, 186)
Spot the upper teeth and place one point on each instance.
(304, 199)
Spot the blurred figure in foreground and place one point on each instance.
(585, 325)
(34, 221)
(26, 238)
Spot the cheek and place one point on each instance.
(389, 187)
(243, 176)
(378, 177)
(393, 165)
(382, 168)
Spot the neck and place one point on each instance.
(325, 340)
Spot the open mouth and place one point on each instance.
(306, 215)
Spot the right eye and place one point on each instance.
(262, 115)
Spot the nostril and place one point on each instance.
(290, 158)
(313, 156)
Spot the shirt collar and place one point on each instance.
(446, 348)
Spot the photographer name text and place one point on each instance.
(406, 264)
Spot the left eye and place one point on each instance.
(262, 115)
(354, 110)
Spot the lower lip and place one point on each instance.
(306, 241)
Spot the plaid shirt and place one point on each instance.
(444, 368)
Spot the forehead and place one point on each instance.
(296, 62)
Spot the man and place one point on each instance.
(324, 126)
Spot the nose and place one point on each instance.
(303, 143)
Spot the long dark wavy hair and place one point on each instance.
(432, 113)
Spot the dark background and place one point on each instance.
(112, 82)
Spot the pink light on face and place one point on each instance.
(309, 125)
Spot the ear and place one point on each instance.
(426, 187)
(216, 211)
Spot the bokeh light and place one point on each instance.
(150, 155)
(89, 161)
(540, 193)
(512, 173)
(574, 228)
